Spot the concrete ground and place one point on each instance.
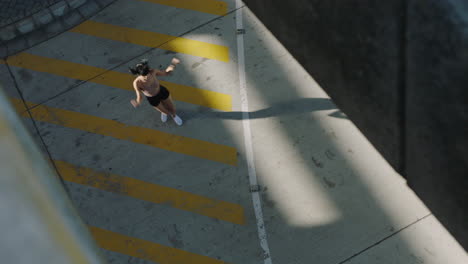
(158, 193)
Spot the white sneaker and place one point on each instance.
(163, 117)
(177, 120)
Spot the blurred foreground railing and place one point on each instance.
(38, 223)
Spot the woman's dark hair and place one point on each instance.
(141, 68)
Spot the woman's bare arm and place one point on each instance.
(169, 68)
(138, 95)
(162, 73)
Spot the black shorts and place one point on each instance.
(162, 95)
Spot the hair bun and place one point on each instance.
(141, 68)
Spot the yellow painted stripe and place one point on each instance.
(20, 107)
(184, 145)
(207, 6)
(147, 250)
(115, 79)
(154, 40)
(152, 192)
(54, 66)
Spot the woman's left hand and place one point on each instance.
(134, 103)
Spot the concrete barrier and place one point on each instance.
(37, 220)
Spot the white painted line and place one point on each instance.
(248, 136)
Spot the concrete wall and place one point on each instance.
(437, 109)
(398, 69)
(352, 49)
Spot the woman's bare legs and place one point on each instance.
(161, 108)
(164, 112)
(169, 105)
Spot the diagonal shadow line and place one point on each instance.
(290, 107)
(126, 61)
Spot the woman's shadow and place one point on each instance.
(304, 105)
